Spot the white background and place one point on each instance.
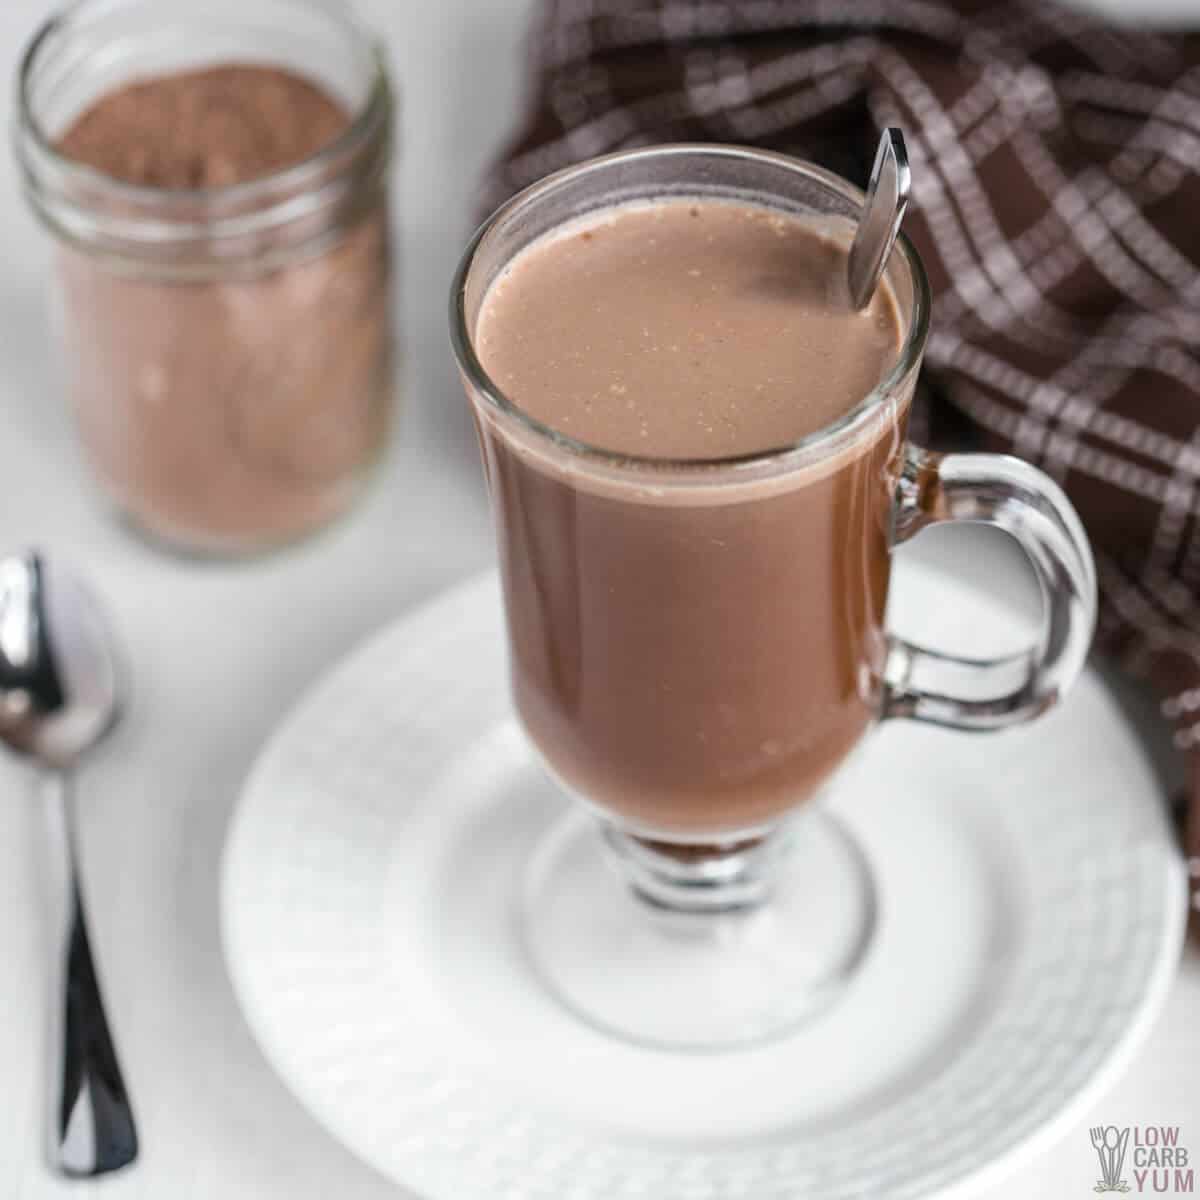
(220, 652)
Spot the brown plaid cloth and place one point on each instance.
(1056, 203)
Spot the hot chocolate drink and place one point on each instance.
(698, 461)
(695, 658)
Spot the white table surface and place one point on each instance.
(221, 651)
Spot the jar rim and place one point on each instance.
(47, 169)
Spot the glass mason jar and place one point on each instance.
(228, 348)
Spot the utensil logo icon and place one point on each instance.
(1110, 1143)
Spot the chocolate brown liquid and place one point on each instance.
(696, 658)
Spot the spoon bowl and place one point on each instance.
(59, 680)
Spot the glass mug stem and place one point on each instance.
(721, 878)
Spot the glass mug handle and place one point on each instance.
(994, 693)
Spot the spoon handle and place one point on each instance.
(883, 210)
(92, 1127)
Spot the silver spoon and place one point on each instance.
(58, 698)
(887, 197)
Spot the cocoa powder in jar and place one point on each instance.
(236, 411)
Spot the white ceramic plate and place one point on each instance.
(1032, 907)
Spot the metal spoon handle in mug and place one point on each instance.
(886, 200)
(92, 1130)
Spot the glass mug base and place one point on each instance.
(657, 950)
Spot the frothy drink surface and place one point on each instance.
(685, 330)
(697, 660)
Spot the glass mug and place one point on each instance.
(697, 646)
